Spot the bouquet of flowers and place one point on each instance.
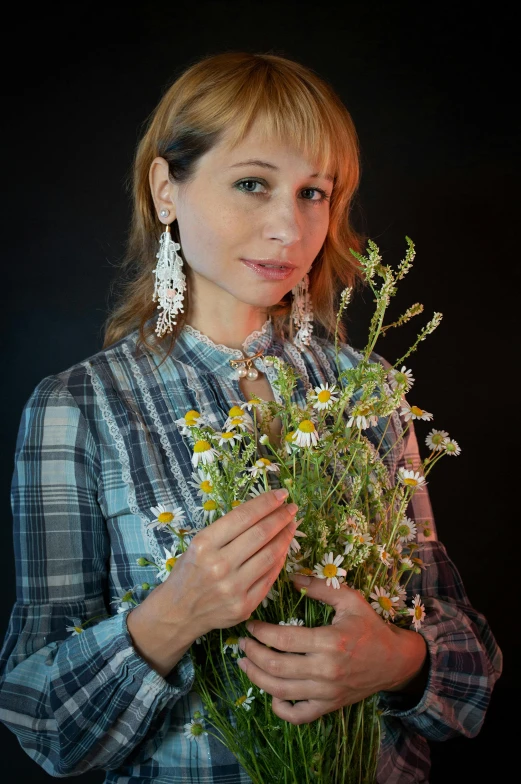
(353, 529)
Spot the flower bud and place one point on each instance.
(145, 586)
(142, 561)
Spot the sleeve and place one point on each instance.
(85, 701)
(463, 657)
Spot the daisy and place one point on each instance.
(407, 530)
(76, 629)
(413, 412)
(401, 377)
(254, 401)
(401, 592)
(411, 478)
(202, 482)
(385, 558)
(191, 419)
(324, 397)
(228, 437)
(238, 418)
(435, 439)
(233, 644)
(329, 570)
(306, 434)
(417, 611)
(294, 561)
(406, 563)
(292, 622)
(171, 556)
(165, 515)
(125, 602)
(270, 596)
(209, 510)
(294, 546)
(246, 699)
(203, 452)
(361, 416)
(383, 602)
(452, 447)
(289, 444)
(256, 490)
(194, 729)
(263, 464)
(264, 439)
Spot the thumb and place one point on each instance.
(341, 599)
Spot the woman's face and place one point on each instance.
(234, 213)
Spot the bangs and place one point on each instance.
(286, 111)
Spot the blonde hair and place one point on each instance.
(227, 92)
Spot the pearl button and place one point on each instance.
(252, 374)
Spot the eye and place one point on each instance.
(241, 186)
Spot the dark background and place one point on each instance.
(431, 91)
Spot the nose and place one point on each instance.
(284, 220)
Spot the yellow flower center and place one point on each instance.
(411, 481)
(237, 420)
(450, 447)
(306, 426)
(404, 530)
(330, 570)
(165, 517)
(201, 446)
(235, 411)
(206, 486)
(324, 395)
(228, 435)
(254, 401)
(240, 700)
(232, 641)
(384, 602)
(127, 597)
(191, 416)
(289, 436)
(264, 460)
(417, 411)
(182, 531)
(196, 729)
(236, 503)
(418, 612)
(78, 629)
(384, 556)
(437, 438)
(400, 378)
(170, 563)
(305, 570)
(362, 409)
(210, 505)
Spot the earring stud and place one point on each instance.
(164, 213)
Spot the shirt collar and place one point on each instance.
(199, 351)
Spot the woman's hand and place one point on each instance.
(358, 655)
(219, 580)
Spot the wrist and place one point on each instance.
(412, 660)
(159, 633)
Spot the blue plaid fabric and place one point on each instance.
(97, 448)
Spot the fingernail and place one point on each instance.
(242, 643)
(281, 493)
(249, 626)
(240, 662)
(292, 509)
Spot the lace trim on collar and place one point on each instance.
(235, 352)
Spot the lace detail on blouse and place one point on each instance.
(124, 460)
(325, 362)
(299, 364)
(152, 410)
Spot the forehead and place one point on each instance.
(270, 149)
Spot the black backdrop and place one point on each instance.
(429, 88)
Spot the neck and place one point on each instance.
(224, 319)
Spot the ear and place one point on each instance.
(162, 189)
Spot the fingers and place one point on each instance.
(261, 533)
(234, 523)
(287, 688)
(270, 556)
(301, 712)
(284, 665)
(295, 639)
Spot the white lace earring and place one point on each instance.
(170, 281)
(302, 313)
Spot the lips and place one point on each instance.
(269, 269)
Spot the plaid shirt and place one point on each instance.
(97, 448)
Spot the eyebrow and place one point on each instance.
(266, 165)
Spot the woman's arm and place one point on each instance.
(75, 702)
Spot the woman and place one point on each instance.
(251, 161)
